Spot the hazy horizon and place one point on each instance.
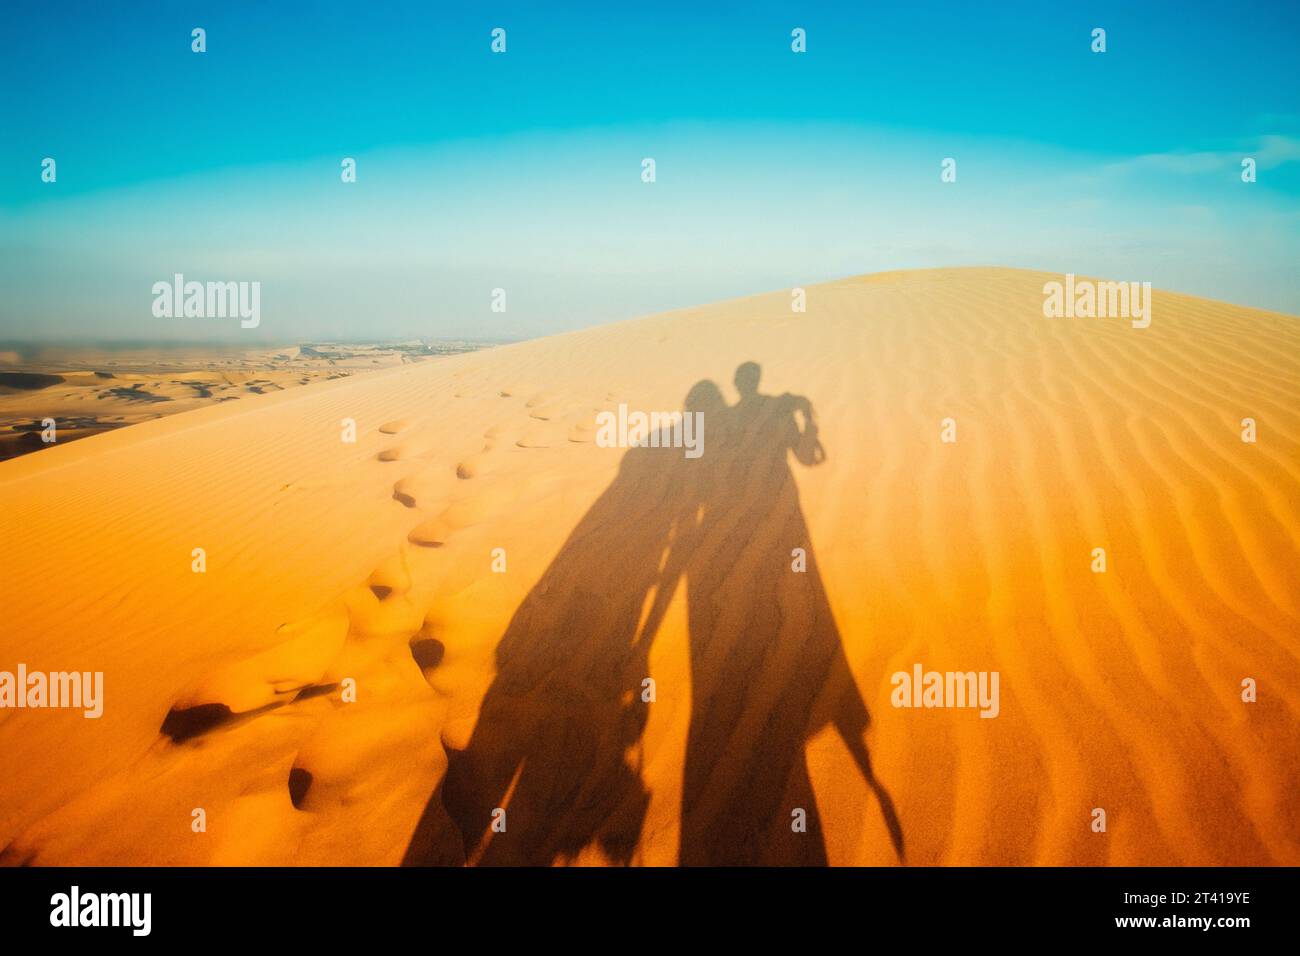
(521, 171)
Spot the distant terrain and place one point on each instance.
(86, 391)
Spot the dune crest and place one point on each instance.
(455, 614)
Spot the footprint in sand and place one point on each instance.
(301, 660)
(376, 748)
(429, 484)
(427, 648)
(401, 452)
(543, 435)
(376, 752)
(405, 492)
(416, 444)
(464, 513)
(543, 400)
(547, 413)
(307, 656)
(392, 576)
(478, 463)
(583, 426)
(427, 652)
(382, 608)
(475, 465)
(582, 432)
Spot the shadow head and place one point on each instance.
(747, 376)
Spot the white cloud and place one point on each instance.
(1269, 152)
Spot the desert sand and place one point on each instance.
(88, 390)
(371, 569)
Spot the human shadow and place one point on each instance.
(768, 669)
(558, 736)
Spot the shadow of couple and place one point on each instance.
(558, 739)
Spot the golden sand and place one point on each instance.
(86, 391)
(372, 568)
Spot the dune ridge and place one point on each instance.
(372, 562)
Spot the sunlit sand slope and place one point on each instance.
(402, 644)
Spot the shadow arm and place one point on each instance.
(851, 723)
(807, 447)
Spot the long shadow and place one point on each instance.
(557, 737)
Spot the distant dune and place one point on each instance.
(494, 588)
(86, 390)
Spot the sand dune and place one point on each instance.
(87, 391)
(374, 568)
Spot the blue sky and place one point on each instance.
(522, 170)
